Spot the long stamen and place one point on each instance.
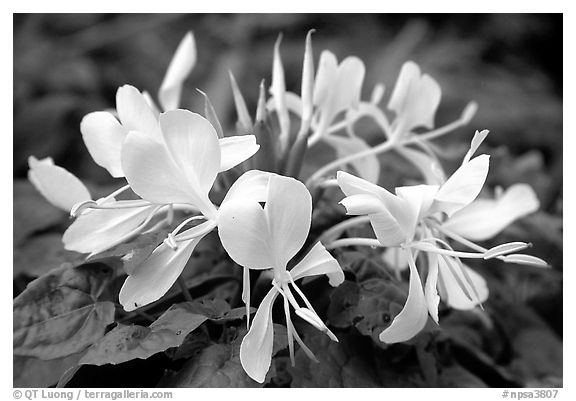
(423, 245)
(306, 350)
(113, 194)
(353, 242)
(289, 331)
(311, 317)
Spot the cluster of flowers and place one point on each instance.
(172, 159)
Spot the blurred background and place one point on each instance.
(68, 65)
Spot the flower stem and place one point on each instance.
(339, 228)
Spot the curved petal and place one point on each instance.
(243, 230)
(154, 175)
(418, 200)
(278, 91)
(367, 167)
(429, 167)
(451, 290)
(252, 186)
(60, 187)
(180, 67)
(134, 111)
(235, 149)
(152, 279)
(362, 204)
(352, 185)
(193, 144)
(484, 218)
(316, 262)
(413, 316)
(415, 98)
(103, 136)
(430, 288)
(463, 186)
(348, 86)
(103, 228)
(257, 345)
(288, 213)
(325, 76)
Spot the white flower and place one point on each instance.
(269, 237)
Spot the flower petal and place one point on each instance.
(395, 258)
(101, 229)
(428, 166)
(288, 213)
(154, 175)
(252, 186)
(256, 347)
(134, 112)
(430, 288)
(243, 230)
(56, 184)
(352, 185)
(152, 279)
(103, 135)
(463, 186)
(278, 91)
(180, 67)
(367, 167)
(236, 149)
(451, 290)
(193, 144)
(316, 262)
(325, 76)
(413, 316)
(415, 98)
(484, 218)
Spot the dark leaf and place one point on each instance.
(58, 314)
(219, 365)
(34, 372)
(41, 254)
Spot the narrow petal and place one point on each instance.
(325, 77)
(241, 110)
(134, 112)
(278, 91)
(463, 186)
(418, 200)
(256, 347)
(288, 213)
(366, 167)
(152, 279)
(103, 136)
(362, 204)
(60, 187)
(307, 91)
(180, 67)
(413, 316)
(193, 144)
(477, 140)
(430, 288)
(103, 228)
(452, 292)
(485, 218)
(236, 149)
(352, 185)
(316, 262)
(243, 230)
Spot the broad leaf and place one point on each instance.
(219, 365)
(34, 372)
(58, 314)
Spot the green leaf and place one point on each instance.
(219, 365)
(369, 306)
(58, 314)
(32, 212)
(125, 343)
(34, 372)
(40, 254)
(342, 364)
(132, 253)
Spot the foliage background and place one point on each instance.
(66, 66)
